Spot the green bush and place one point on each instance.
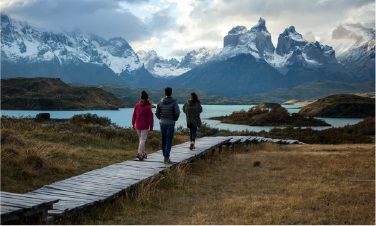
(90, 119)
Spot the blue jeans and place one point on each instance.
(167, 133)
(193, 133)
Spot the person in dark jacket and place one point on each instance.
(142, 122)
(192, 110)
(168, 113)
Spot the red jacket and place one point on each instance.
(142, 116)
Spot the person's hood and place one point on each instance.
(143, 102)
(168, 100)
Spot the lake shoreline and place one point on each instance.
(123, 117)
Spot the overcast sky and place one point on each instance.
(173, 27)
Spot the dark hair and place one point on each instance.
(144, 95)
(194, 98)
(168, 91)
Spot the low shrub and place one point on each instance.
(90, 119)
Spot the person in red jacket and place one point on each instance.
(142, 121)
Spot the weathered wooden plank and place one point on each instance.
(87, 185)
(51, 192)
(101, 183)
(94, 187)
(80, 190)
(17, 204)
(20, 201)
(31, 197)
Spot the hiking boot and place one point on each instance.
(144, 156)
(139, 156)
(191, 146)
(168, 161)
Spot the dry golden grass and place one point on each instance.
(293, 184)
(34, 154)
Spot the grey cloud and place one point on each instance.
(313, 14)
(161, 20)
(96, 16)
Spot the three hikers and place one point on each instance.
(168, 113)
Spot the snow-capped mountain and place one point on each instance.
(160, 66)
(255, 41)
(173, 67)
(295, 50)
(292, 48)
(23, 45)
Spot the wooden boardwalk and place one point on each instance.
(16, 206)
(104, 184)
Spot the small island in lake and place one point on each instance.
(53, 94)
(270, 114)
(341, 106)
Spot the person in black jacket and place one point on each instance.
(168, 113)
(192, 110)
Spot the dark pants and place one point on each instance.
(167, 133)
(193, 133)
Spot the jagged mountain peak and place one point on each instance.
(260, 26)
(289, 40)
(119, 42)
(237, 30)
(292, 33)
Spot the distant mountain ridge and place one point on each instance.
(247, 64)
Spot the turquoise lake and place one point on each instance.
(123, 116)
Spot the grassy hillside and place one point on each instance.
(53, 94)
(341, 106)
